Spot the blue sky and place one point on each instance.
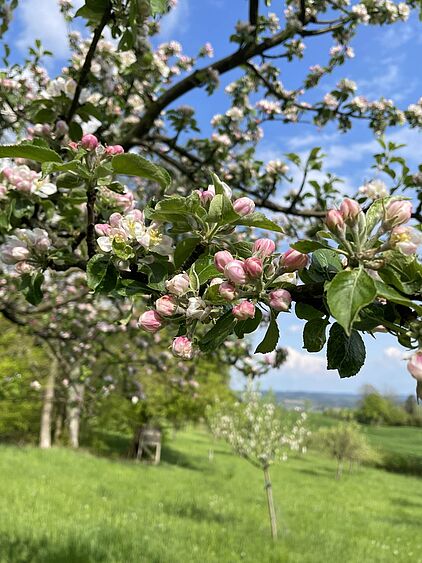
(387, 63)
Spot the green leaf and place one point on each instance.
(218, 184)
(75, 131)
(269, 343)
(307, 246)
(259, 221)
(205, 270)
(307, 312)
(345, 353)
(72, 166)
(326, 262)
(134, 165)
(158, 7)
(218, 333)
(348, 293)
(314, 335)
(389, 293)
(101, 274)
(376, 212)
(221, 211)
(242, 249)
(184, 249)
(29, 151)
(249, 325)
(31, 287)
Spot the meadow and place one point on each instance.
(66, 506)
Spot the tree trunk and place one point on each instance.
(47, 406)
(270, 501)
(58, 429)
(339, 469)
(76, 393)
(133, 450)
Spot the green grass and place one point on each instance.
(63, 506)
(404, 440)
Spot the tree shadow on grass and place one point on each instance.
(71, 550)
(406, 503)
(175, 457)
(107, 444)
(320, 472)
(192, 511)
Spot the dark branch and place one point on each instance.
(253, 15)
(87, 63)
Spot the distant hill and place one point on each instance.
(318, 401)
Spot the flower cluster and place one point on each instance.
(26, 250)
(125, 235)
(22, 179)
(366, 240)
(244, 278)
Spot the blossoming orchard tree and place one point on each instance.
(108, 173)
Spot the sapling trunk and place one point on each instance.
(339, 469)
(47, 406)
(270, 501)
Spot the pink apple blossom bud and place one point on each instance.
(74, 146)
(397, 213)
(13, 254)
(182, 347)
(350, 210)
(221, 259)
(235, 272)
(24, 268)
(89, 142)
(112, 150)
(178, 285)
(280, 300)
(23, 186)
(414, 365)
(103, 229)
(244, 310)
(166, 306)
(61, 127)
(293, 260)
(150, 321)
(244, 206)
(115, 219)
(205, 196)
(227, 291)
(264, 247)
(334, 221)
(253, 267)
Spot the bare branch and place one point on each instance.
(87, 63)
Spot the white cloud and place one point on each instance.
(394, 353)
(304, 363)
(41, 19)
(392, 38)
(177, 20)
(295, 328)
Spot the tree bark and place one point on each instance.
(270, 502)
(47, 407)
(76, 393)
(58, 429)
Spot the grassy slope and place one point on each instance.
(61, 506)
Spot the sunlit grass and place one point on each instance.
(63, 506)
